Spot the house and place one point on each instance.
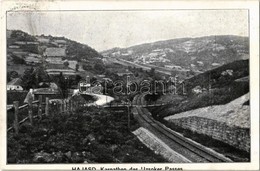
(20, 43)
(14, 47)
(14, 87)
(228, 72)
(15, 84)
(200, 63)
(60, 41)
(124, 72)
(8, 34)
(42, 40)
(48, 85)
(45, 91)
(243, 79)
(173, 67)
(56, 69)
(215, 64)
(32, 43)
(55, 55)
(197, 90)
(32, 60)
(65, 72)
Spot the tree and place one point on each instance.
(93, 80)
(152, 72)
(62, 84)
(77, 67)
(28, 79)
(66, 64)
(87, 67)
(13, 74)
(99, 67)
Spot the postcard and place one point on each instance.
(129, 85)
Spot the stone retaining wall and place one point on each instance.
(234, 136)
(159, 147)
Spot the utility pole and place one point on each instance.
(128, 113)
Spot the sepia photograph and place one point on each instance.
(128, 86)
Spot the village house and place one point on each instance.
(32, 43)
(61, 43)
(197, 90)
(56, 69)
(14, 47)
(55, 55)
(173, 67)
(20, 43)
(123, 72)
(42, 39)
(14, 84)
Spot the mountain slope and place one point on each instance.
(197, 54)
(25, 50)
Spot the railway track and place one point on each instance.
(189, 149)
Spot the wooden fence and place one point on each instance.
(47, 108)
(50, 107)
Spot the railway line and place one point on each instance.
(189, 149)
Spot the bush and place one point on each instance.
(101, 133)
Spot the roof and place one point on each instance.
(15, 81)
(45, 91)
(243, 79)
(55, 52)
(60, 41)
(63, 73)
(60, 70)
(55, 66)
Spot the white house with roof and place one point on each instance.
(14, 84)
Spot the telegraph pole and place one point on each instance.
(128, 113)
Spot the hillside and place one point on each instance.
(193, 54)
(25, 50)
(234, 113)
(215, 87)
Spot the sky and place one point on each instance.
(104, 30)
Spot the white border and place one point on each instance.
(253, 7)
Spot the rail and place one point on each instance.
(195, 151)
(133, 104)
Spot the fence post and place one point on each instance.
(61, 106)
(30, 112)
(73, 106)
(16, 112)
(70, 105)
(64, 105)
(47, 106)
(40, 107)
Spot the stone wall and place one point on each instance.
(158, 146)
(234, 136)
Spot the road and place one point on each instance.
(144, 67)
(101, 99)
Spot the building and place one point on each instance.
(197, 90)
(124, 72)
(56, 69)
(32, 60)
(15, 84)
(43, 40)
(65, 72)
(55, 55)
(173, 67)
